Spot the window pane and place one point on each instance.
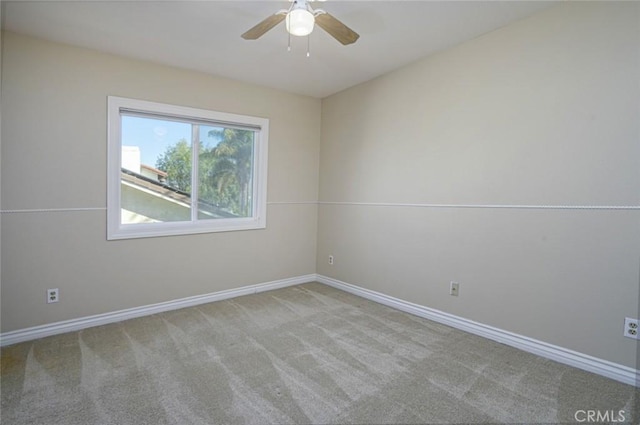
(174, 170)
(225, 172)
(155, 170)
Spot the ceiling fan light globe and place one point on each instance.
(300, 22)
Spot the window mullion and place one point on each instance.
(195, 150)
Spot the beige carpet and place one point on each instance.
(304, 354)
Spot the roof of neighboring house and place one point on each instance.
(155, 170)
(171, 193)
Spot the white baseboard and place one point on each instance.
(42, 331)
(602, 367)
(595, 365)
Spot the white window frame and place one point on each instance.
(115, 230)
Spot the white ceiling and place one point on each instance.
(205, 35)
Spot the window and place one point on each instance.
(175, 170)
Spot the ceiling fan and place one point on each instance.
(300, 19)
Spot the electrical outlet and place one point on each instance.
(454, 288)
(331, 259)
(631, 328)
(53, 295)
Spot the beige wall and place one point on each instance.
(54, 148)
(542, 112)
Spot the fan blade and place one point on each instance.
(336, 29)
(264, 26)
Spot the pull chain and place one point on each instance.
(308, 44)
